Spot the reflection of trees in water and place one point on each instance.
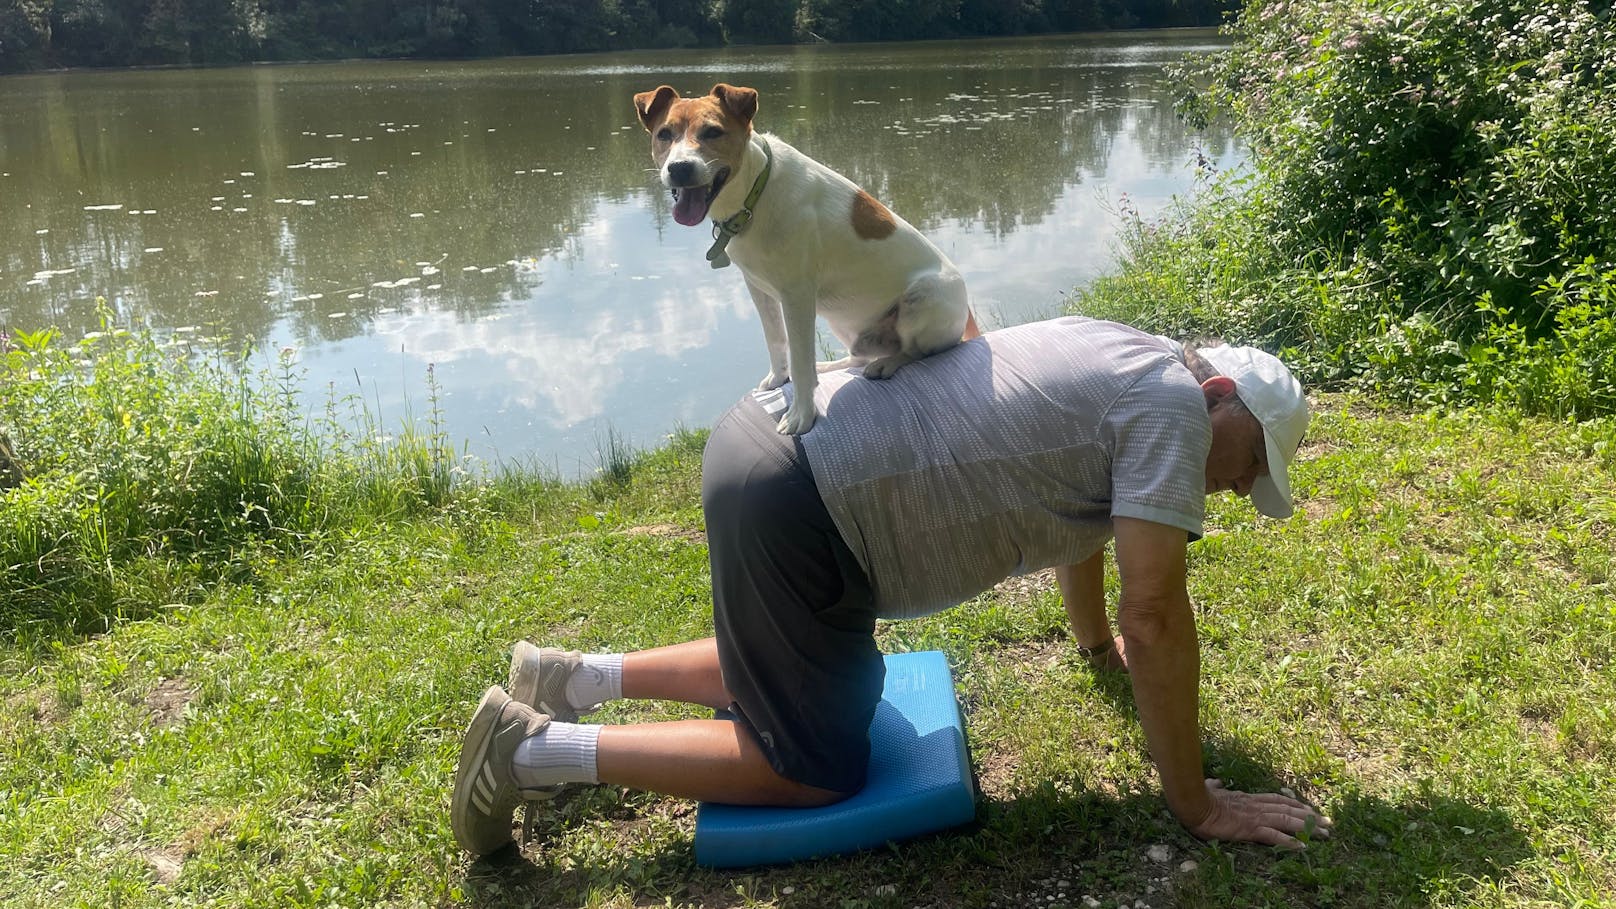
(251, 268)
(997, 142)
(992, 146)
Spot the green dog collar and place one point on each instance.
(727, 229)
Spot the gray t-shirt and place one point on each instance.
(1004, 455)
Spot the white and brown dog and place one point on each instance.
(808, 241)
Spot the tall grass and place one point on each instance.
(148, 468)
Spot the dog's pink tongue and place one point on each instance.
(691, 207)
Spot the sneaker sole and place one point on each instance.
(479, 735)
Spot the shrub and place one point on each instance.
(1430, 201)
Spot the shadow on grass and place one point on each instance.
(1027, 849)
(1402, 853)
(1384, 851)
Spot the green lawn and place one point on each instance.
(1427, 650)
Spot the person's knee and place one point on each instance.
(793, 794)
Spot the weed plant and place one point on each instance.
(1431, 205)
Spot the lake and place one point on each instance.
(499, 221)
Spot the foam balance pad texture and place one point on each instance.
(919, 782)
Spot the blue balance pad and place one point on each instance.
(919, 782)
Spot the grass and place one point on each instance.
(1426, 651)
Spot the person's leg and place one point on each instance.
(795, 620)
(709, 760)
(685, 672)
(565, 684)
(793, 610)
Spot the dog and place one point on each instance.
(808, 241)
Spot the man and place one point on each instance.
(1025, 448)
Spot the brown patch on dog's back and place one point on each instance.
(871, 220)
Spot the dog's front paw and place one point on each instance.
(797, 420)
(772, 380)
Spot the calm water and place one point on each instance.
(499, 219)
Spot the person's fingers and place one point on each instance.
(1290, 823)
(1299, 817)
(1289, 806)
(1270, 799)
(1274, 798)
(1268, 836)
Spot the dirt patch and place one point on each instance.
(994, 771)
(165, 865)
(1316, 509)
(39, 705)
(667, 530)
(1028, 659)
(213, 824)
(168, 700)
(1027, 586)
(112, 822)
(1315, 448)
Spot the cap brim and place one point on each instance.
(1272, 494)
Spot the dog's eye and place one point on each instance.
(664, 135)
(710, 133)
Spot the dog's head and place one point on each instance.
(697, 142)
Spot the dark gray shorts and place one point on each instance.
(792, 609)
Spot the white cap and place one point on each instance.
(1275, 398)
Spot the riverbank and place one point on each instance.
(1424, 651)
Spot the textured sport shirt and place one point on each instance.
(1006, 454)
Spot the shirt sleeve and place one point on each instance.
(1160, 436)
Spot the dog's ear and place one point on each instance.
(653, 104)
(741, 103)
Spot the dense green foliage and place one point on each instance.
(42, 33)
(1431, 207)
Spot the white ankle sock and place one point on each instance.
(561, 753)
(598, 679)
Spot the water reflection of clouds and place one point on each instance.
(563, 371)
(594, 341)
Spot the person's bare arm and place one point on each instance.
(1164, 663)
(1082, 588)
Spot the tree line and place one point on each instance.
(38, 34)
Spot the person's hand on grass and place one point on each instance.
(1259, 817)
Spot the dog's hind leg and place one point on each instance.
(931, 316)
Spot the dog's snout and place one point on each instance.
(682, 173)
